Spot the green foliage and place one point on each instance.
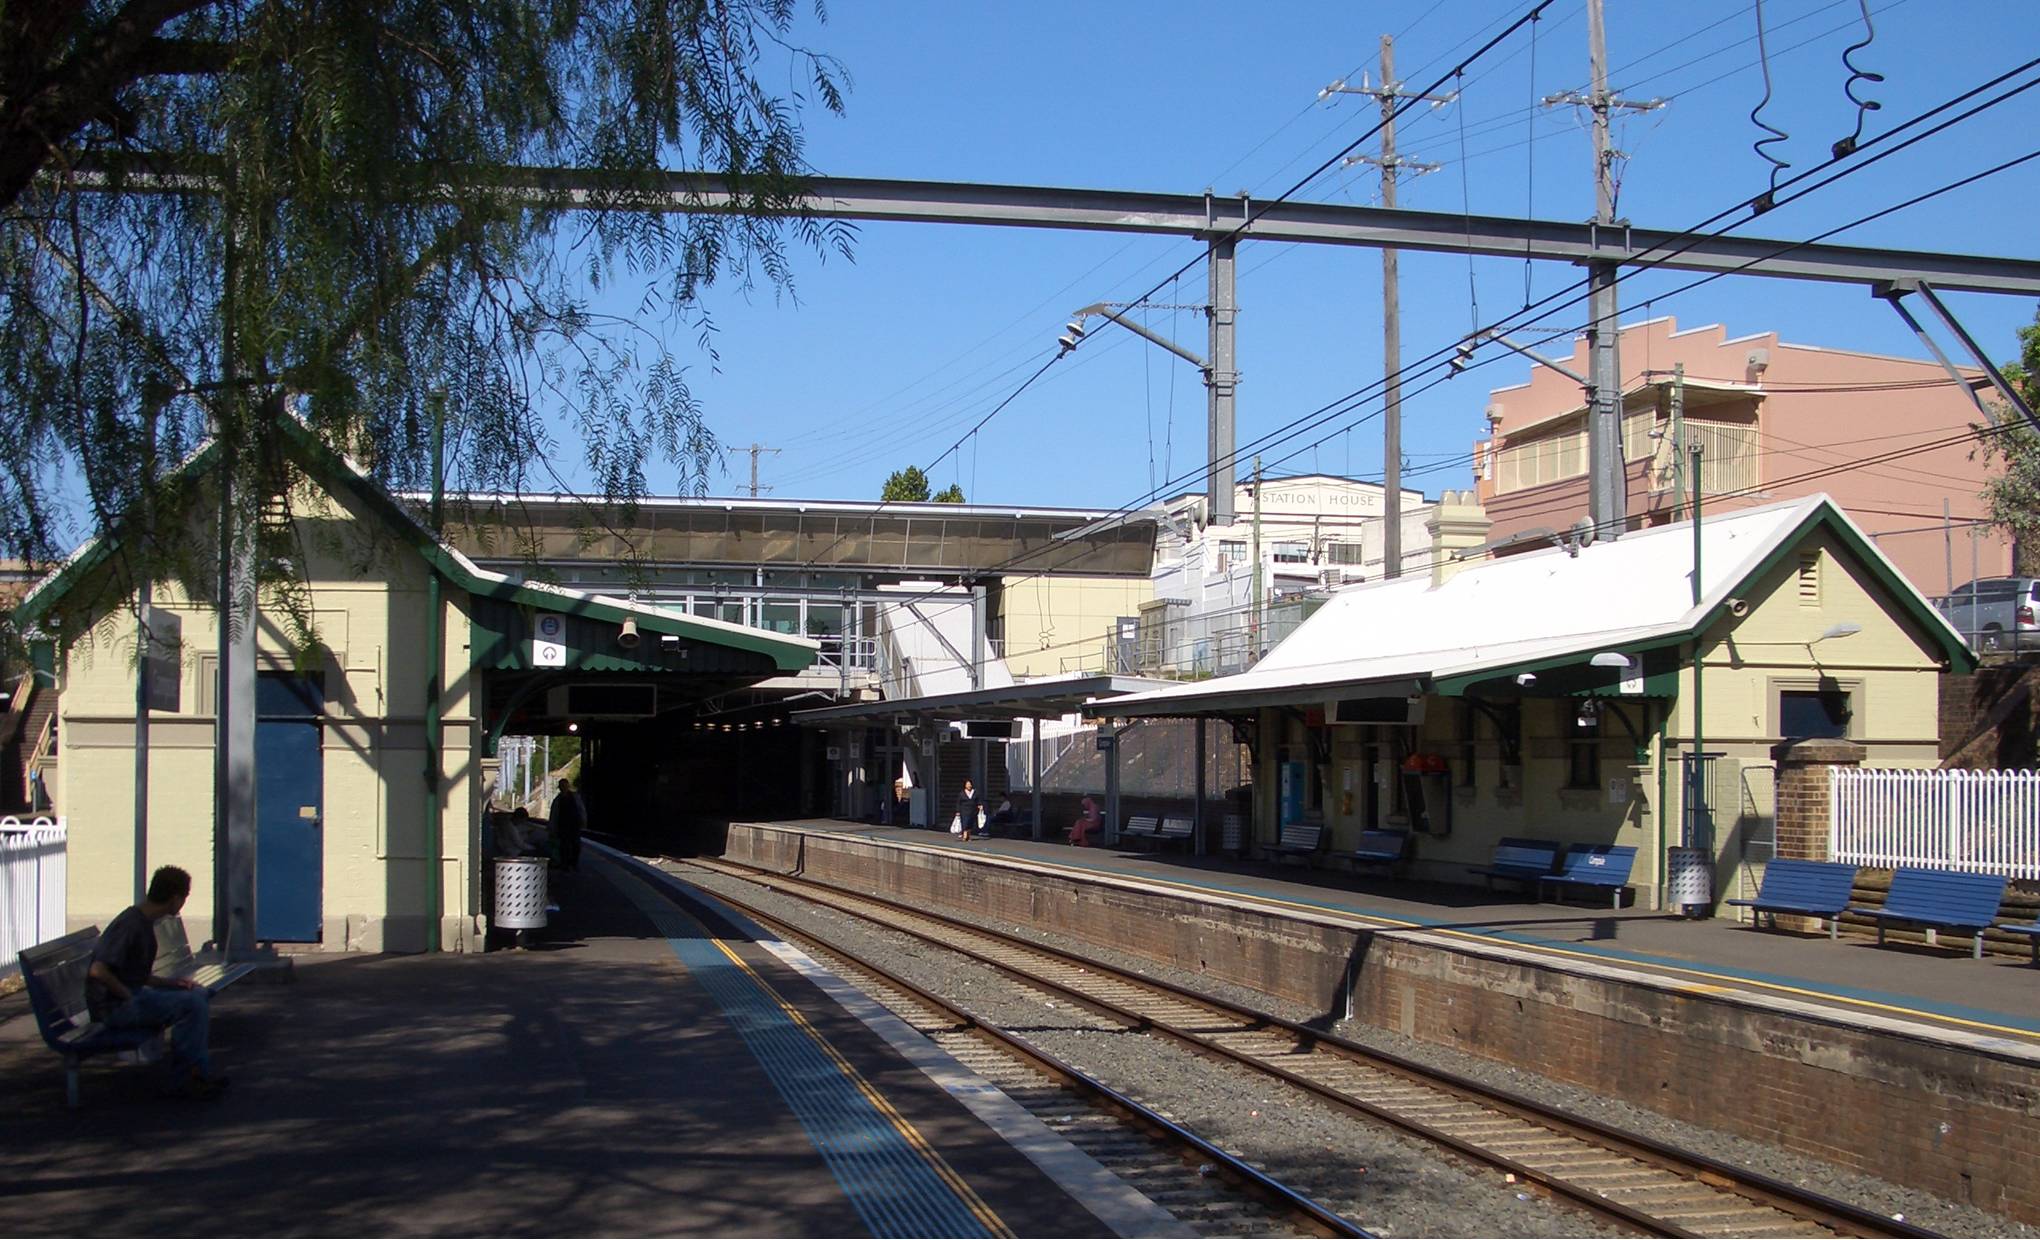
(2013, 496)
(906, 486)
(951, 494)
(359, 239)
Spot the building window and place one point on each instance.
(1821, 713)
(1728, 453)
(1583, 744)
(1353, 552)
(1292, 553)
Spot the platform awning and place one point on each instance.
(1033, 699)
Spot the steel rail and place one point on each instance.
(1319, 1218)
(1836, 1216)
(1207, 217)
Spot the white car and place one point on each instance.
(1996, 613)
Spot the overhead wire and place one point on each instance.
(1431, 362)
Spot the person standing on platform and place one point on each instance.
(968, 806)
(123, 992)
(569, 819)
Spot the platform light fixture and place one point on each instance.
(1843, 628)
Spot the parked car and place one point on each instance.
(1996, 613)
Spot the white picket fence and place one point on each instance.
(31, 885)
(1984, 822)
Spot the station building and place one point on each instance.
(369, 786)
(1563, 693)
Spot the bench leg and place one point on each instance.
(1976, 946)
(1835, 926)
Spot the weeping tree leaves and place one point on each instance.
(214, 213)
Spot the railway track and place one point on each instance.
(1211, 1191)
(1633, 1182)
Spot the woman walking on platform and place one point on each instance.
(968, 806)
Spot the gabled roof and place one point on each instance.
(341, 476)
(1519, 612)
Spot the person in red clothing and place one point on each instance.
(1087, 826)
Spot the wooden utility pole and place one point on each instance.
(1607, 480)
(1390, 95)
(754, 450)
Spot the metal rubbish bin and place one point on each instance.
(520, 893)
(1690, 879)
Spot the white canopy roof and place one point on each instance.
(1397, 635)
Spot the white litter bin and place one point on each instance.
(520, 893)
(1690, 879)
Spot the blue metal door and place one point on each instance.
(289, 807)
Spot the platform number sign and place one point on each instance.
(549, 642)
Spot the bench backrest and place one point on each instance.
(1807, 884)
(1387, 841)
(55, 972)
(1517, 853)
(1597, 863)
(173, 946)
(1176, 828)
(1947, 896)
(1140, 824)
(1304, 836)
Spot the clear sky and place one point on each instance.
(887, 360)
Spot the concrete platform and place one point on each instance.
(1944, 987)
(1918, 1065)
(637, 1072)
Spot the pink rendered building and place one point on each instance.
(1889, 438)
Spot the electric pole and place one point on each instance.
(1607, 482)
(1389, 94)
(754, 450)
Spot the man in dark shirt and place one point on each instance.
(122, 991)
(569, 816)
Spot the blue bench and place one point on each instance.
(2031, 929)
(1382, 848)
(1940, 900)
(1604, 867)
(55, 973)
(1175, 831)
(1805, 888)
(1299, 839)
(1520, 860)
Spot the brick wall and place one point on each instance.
(1990, 718)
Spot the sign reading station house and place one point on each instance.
(549, 641)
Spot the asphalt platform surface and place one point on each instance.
(592, 1085)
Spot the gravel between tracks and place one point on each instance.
(1392, 1185)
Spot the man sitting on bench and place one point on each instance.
(123, 993)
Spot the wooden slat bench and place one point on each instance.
(55, 973)
(1140, 827)
(1299, 839)
(1819, 889)
(1940, 900)
(174, 958)
(1604, 867)
(1520, 860)
(1383, 848)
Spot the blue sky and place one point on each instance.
(887, 360)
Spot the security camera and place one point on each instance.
(627, 636)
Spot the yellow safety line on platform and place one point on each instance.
(1697, 988)
(904, 1126)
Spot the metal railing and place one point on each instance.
(1985, 822)
(32, 862)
